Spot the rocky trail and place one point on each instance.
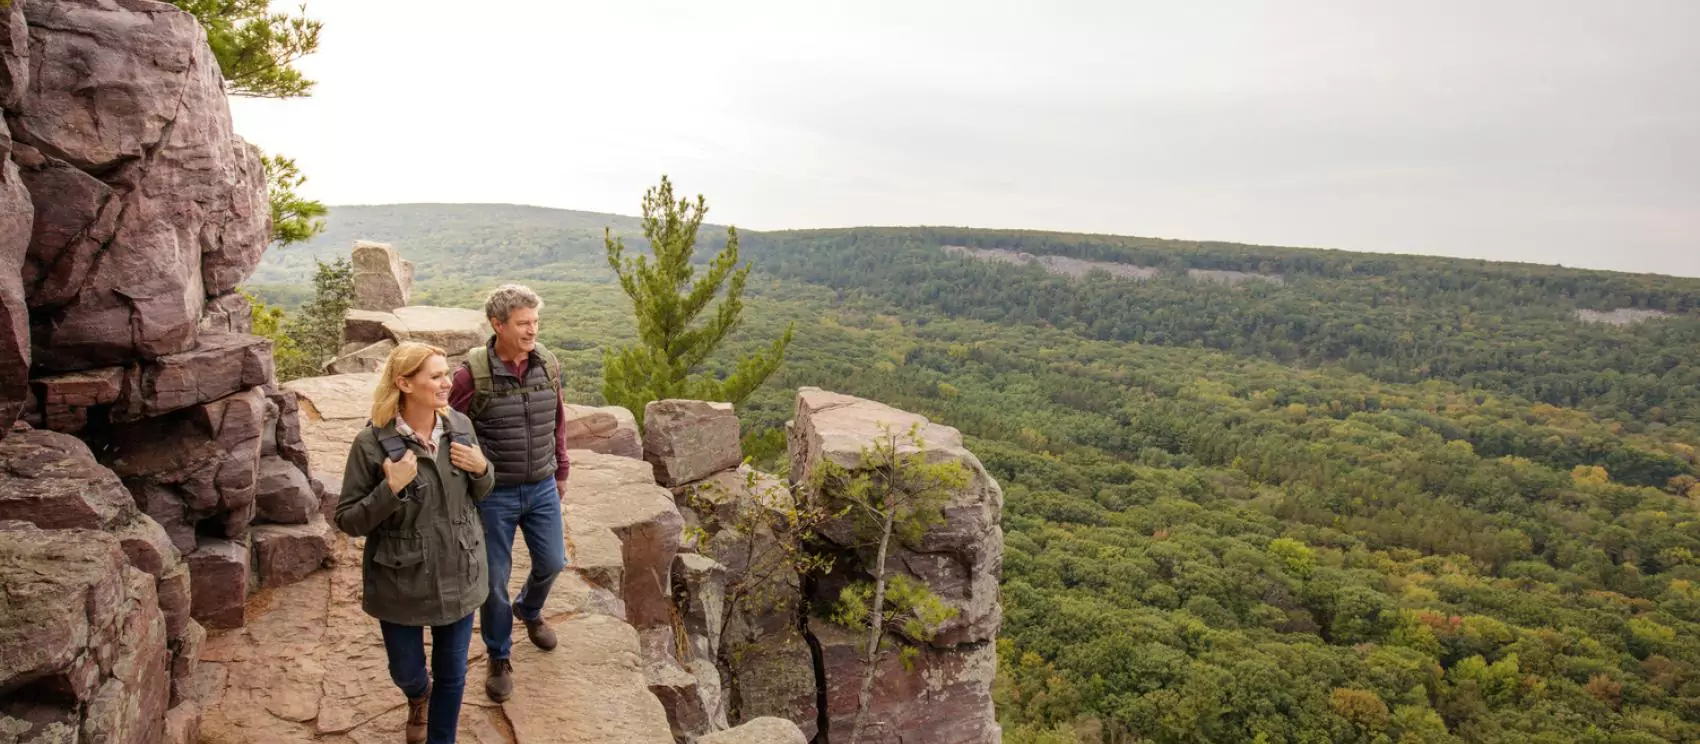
(310, 667)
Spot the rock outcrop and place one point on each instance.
(758, 731)
(85, 656)
(382, 280)
(610, 430)
(688, 440)
(961, 560)
(744, 606)
(681, 614)
(147, 204)
(453, 329)
(69, 526)
(129, 213)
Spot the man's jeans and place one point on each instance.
(405, 646)
(536, 509)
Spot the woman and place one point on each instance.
(410, 488)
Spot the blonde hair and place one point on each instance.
(404, 361)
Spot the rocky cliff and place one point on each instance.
(748, 613)
(156, 472)
(168, 571)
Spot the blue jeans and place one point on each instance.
(405, 645)
(535, 508)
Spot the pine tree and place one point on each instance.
(294, 219)
(668, 297)
(257, 49)
(893, 494)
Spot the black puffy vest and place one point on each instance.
(517, 425)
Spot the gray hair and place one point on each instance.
(508, 298)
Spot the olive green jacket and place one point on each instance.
(424, 562)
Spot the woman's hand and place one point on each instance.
(469, 459)
(399, 473)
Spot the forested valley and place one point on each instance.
(1254, 494)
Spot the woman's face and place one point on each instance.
(431, 382)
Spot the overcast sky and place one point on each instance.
(1530, 130)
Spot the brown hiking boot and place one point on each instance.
(541, 635)
(500, 685)
(416, 708)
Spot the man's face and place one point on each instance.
(519, 331)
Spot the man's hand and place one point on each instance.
(560, 489)
(399, 473)
(469, 459)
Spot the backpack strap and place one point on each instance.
(483, 391)
(457, 433)
(478, 363)
(551, 368)
(395, 449)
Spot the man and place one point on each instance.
(511, 389)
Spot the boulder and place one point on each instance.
(759, 731)
(280, 435)
(382, 281)
(130, 706)
(284, 496)
(66, 400)
(452, 329)
(622, 533)
(674, 686)
(88, 643)
(286, 554)
(17, 216)
(366, 327)
(368, 358)
(961, 559)
(175, 588)
(332, 410)
(610, 430)
(74, 581)
(194, 464)
(52, 481)
(218, 571)
(165, 507)
(218, 366)
(775, 676)
(688, 440)
(147, 546)
(699, 587)
(228, 313)
(940, 695)
(137, 98)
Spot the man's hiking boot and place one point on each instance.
(541, 635)
(416, 708)
(500, 685)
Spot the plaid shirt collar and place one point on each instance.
(430, 444)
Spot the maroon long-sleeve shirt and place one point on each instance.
(460, 399)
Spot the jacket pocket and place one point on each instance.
(474, 565)
(400, 577)
(399, 552)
